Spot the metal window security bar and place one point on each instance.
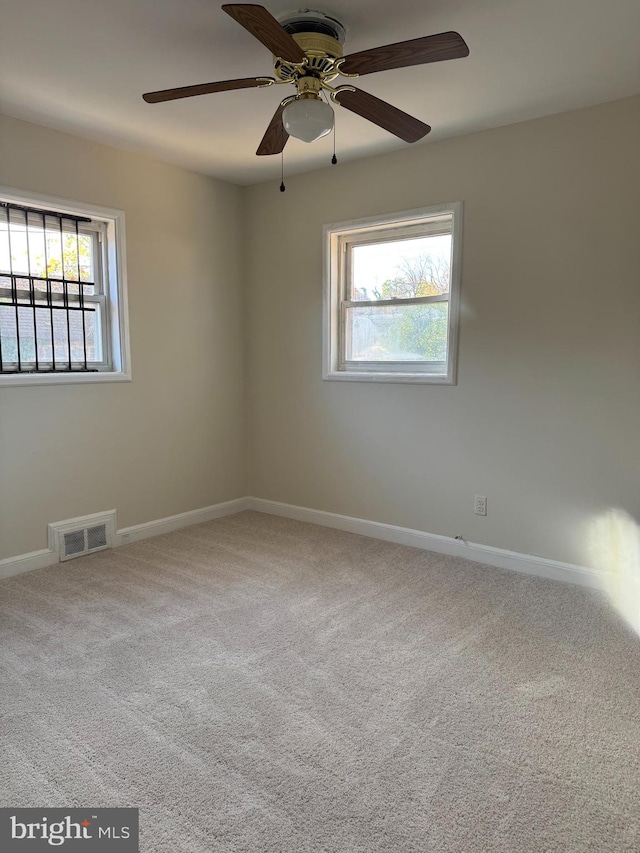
(47, 313)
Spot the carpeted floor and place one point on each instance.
(257, 684)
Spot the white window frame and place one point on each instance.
(338, 241)
(108, 224)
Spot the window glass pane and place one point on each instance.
(43, 331)
(397, 332)
(27, 336)
(8, 331)
(4, 243)
(19, 254)
(40, 290)
(93, 326)
(401, 269)
(77, 256)
(60, 337)
(77, 335)
(39, 252)
(90, 329)
(55, 255)
(36, 246)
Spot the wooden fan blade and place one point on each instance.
(261, 24)
(404, 53)
(383, 114)
(203, 89)
(275, 137)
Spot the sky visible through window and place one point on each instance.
(28, 252)
(379, 262)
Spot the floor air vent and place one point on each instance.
(77, 542)
(74, 544)
(80, 536)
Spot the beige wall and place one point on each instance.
(545, 418)
(174, 438)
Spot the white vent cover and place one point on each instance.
(83, 535)
(74, 544)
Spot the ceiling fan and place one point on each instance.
(307, 51)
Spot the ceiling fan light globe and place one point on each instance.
(307, 119)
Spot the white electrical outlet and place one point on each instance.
(481, 505)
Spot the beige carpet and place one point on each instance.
(257, 684)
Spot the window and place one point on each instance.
(391, 296)
(62, 292)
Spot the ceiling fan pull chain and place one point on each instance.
(282, 186)
(334, 159)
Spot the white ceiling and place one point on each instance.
(82, 65)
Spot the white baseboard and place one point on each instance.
(28, 562)
(498, 557)
(174, 522)
(50, 556)
(512, 560)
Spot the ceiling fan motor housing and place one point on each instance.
(313, 21)
(320, 36)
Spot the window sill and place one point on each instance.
(26, 379)
(408, 378)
